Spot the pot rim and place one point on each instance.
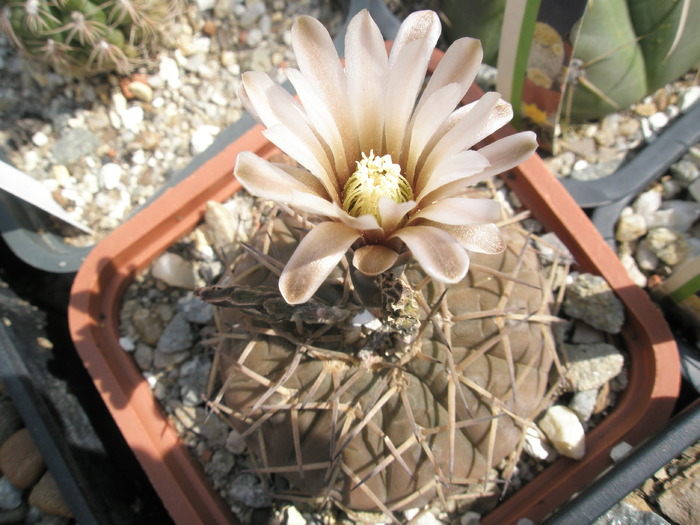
(93, 314)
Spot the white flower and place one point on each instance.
(384, 167)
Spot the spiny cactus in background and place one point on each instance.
(81, 37)
(384, 342)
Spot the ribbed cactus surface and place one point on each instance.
(391, 410)
(83, 37)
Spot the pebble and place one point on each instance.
(47, 497)
(658, 121)
(293, 516)
(141, 91)
(562, 427)
(592, 365)
(176, 337)
(148, 325)
(10, 496)
(195, 310)
(20, 460)
(625, 514)
(535, 446)
(248, 489)
(175, 270)
(583, 404)
(590, 299)
(74, 144)
(202, 138)
(670, 246)
(689, 97)
(110, 176)
(631, 226)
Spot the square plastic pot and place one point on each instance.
(654, 369)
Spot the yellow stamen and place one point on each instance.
(375, 177)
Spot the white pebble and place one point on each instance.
(40, 139)
(690, 97)
(127, 344)
(132, 118)
(141, 91)
(647, 203)
(169, 72)
(110, 176)
(294, 517)
(175, 271)
(658, 121)
(535, 446)
(563, 428)
(202, 138)
(620, 450)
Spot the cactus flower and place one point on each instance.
(383, 161)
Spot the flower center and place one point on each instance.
(375, 177)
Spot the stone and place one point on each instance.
(584, 333)
(680, 500)
(194, 376)
(668, 245)
(221, 228)
(20, 460)
(175, 270)
(234, 443)
(110, 176)
(583, 404)
(148, 325)
(647, 203)
(293, 516)
(677, 215)
(74, 144)
(10, 496)
(141, 91)
(685, 171)
(202, 138)
(630, 226)
(690, 97)
(143, 355)
(167, 360)
(625, 514)
(220, 465)
(47, 497)
(247, 489)
(196, 310)
(590, 299)
(592, 365)
(176, 337)
(658, 121)
(563, 428)
(535, 446)
(645, 258)
(630, 264)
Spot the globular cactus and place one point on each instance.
(384, 342)
(384, 417)
(82, 37)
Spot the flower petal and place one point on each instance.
(392, 213)
(319, 63)
(320, 119)
(502, 155)
(464, 133)
(467, 166)
(306, 154)
(426, 122)
(405, 80)
(438, 253)
(314, 259)
(420, 25)
(461, 211)
(270, 101)
(479, 238)
(268, 181)
(366, 68)
(374, 259)
(363, 222)
(460, 64)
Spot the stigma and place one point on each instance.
(374, 178)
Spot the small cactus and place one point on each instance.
(81, 37)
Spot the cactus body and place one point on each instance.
(82, 37)
(392, 417)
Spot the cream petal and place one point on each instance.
(314, 259)
(467, 166)
(426, 121)
(392, 213)
(265, 180)
(420, 25)
(312, 204)
(461, 211)
(320, 119)
(362, 223)
(479, 238)
(405, 80)
(312, 159)
(460, 64)
(366, 67)
(502, 155)
(247, 104)
(374, 259)
(271, 101)
(438, 253)
(462, 135)
(319, 63)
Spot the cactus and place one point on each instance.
(391, 417)
(384, 342)
(624, 49)
(81, 37)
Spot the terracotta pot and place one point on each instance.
(654, 370)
